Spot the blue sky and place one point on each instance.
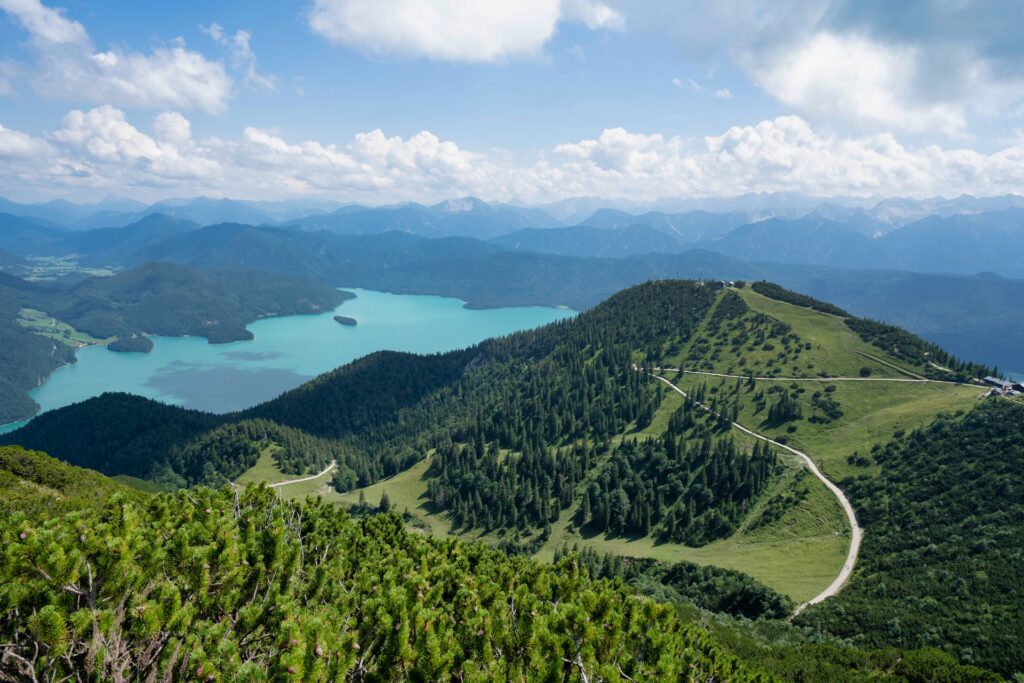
(389, 100)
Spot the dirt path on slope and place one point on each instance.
(334, 463)
(856, 532)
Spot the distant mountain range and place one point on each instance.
(965, 236)
(965, 244)
(863, 256)
(116, 212)
(466, 216)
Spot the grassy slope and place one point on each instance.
(816, 343)
(46, 325)
(836, 348)
(143, 485)
(798, 553)
(265, 469)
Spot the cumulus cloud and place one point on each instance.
(69, 67)
(919, 65)
(855, 78)
(106, 150)
(101, 148)
(453, 30)
(785, 154)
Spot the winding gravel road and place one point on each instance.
(334, 463)
(851, 517)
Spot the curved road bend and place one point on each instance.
(330, 467)
(851, 517)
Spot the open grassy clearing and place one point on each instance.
(835, 348)
(46, 325)
(872, 412)
(143, 485)
(799, 554)
(53, 267)
(773, 338)
(816, 343)
(265, 469)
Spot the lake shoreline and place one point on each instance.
(285, 352)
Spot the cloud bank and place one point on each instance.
(101, 150)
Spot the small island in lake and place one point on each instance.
(345, 320)
(137, 344)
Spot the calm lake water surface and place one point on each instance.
(285, 352)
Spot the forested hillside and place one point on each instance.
(543, 436)
(944, 554)
(101, 582)
(174, 300)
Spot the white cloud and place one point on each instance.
(596, 15)
(923, 67)
(102, 149)
(17, 145)
(784, 154)
(69, 67)
(850, 77)
(109, 151)
(453, 30)
(46, 24)
(242, 56)
(167, 77)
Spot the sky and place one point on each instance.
(381, 101)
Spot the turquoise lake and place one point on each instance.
(285, 352)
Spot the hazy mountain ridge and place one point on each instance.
(892, 212)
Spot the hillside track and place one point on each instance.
(856, 533)
(334, 463)
(902, 380)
